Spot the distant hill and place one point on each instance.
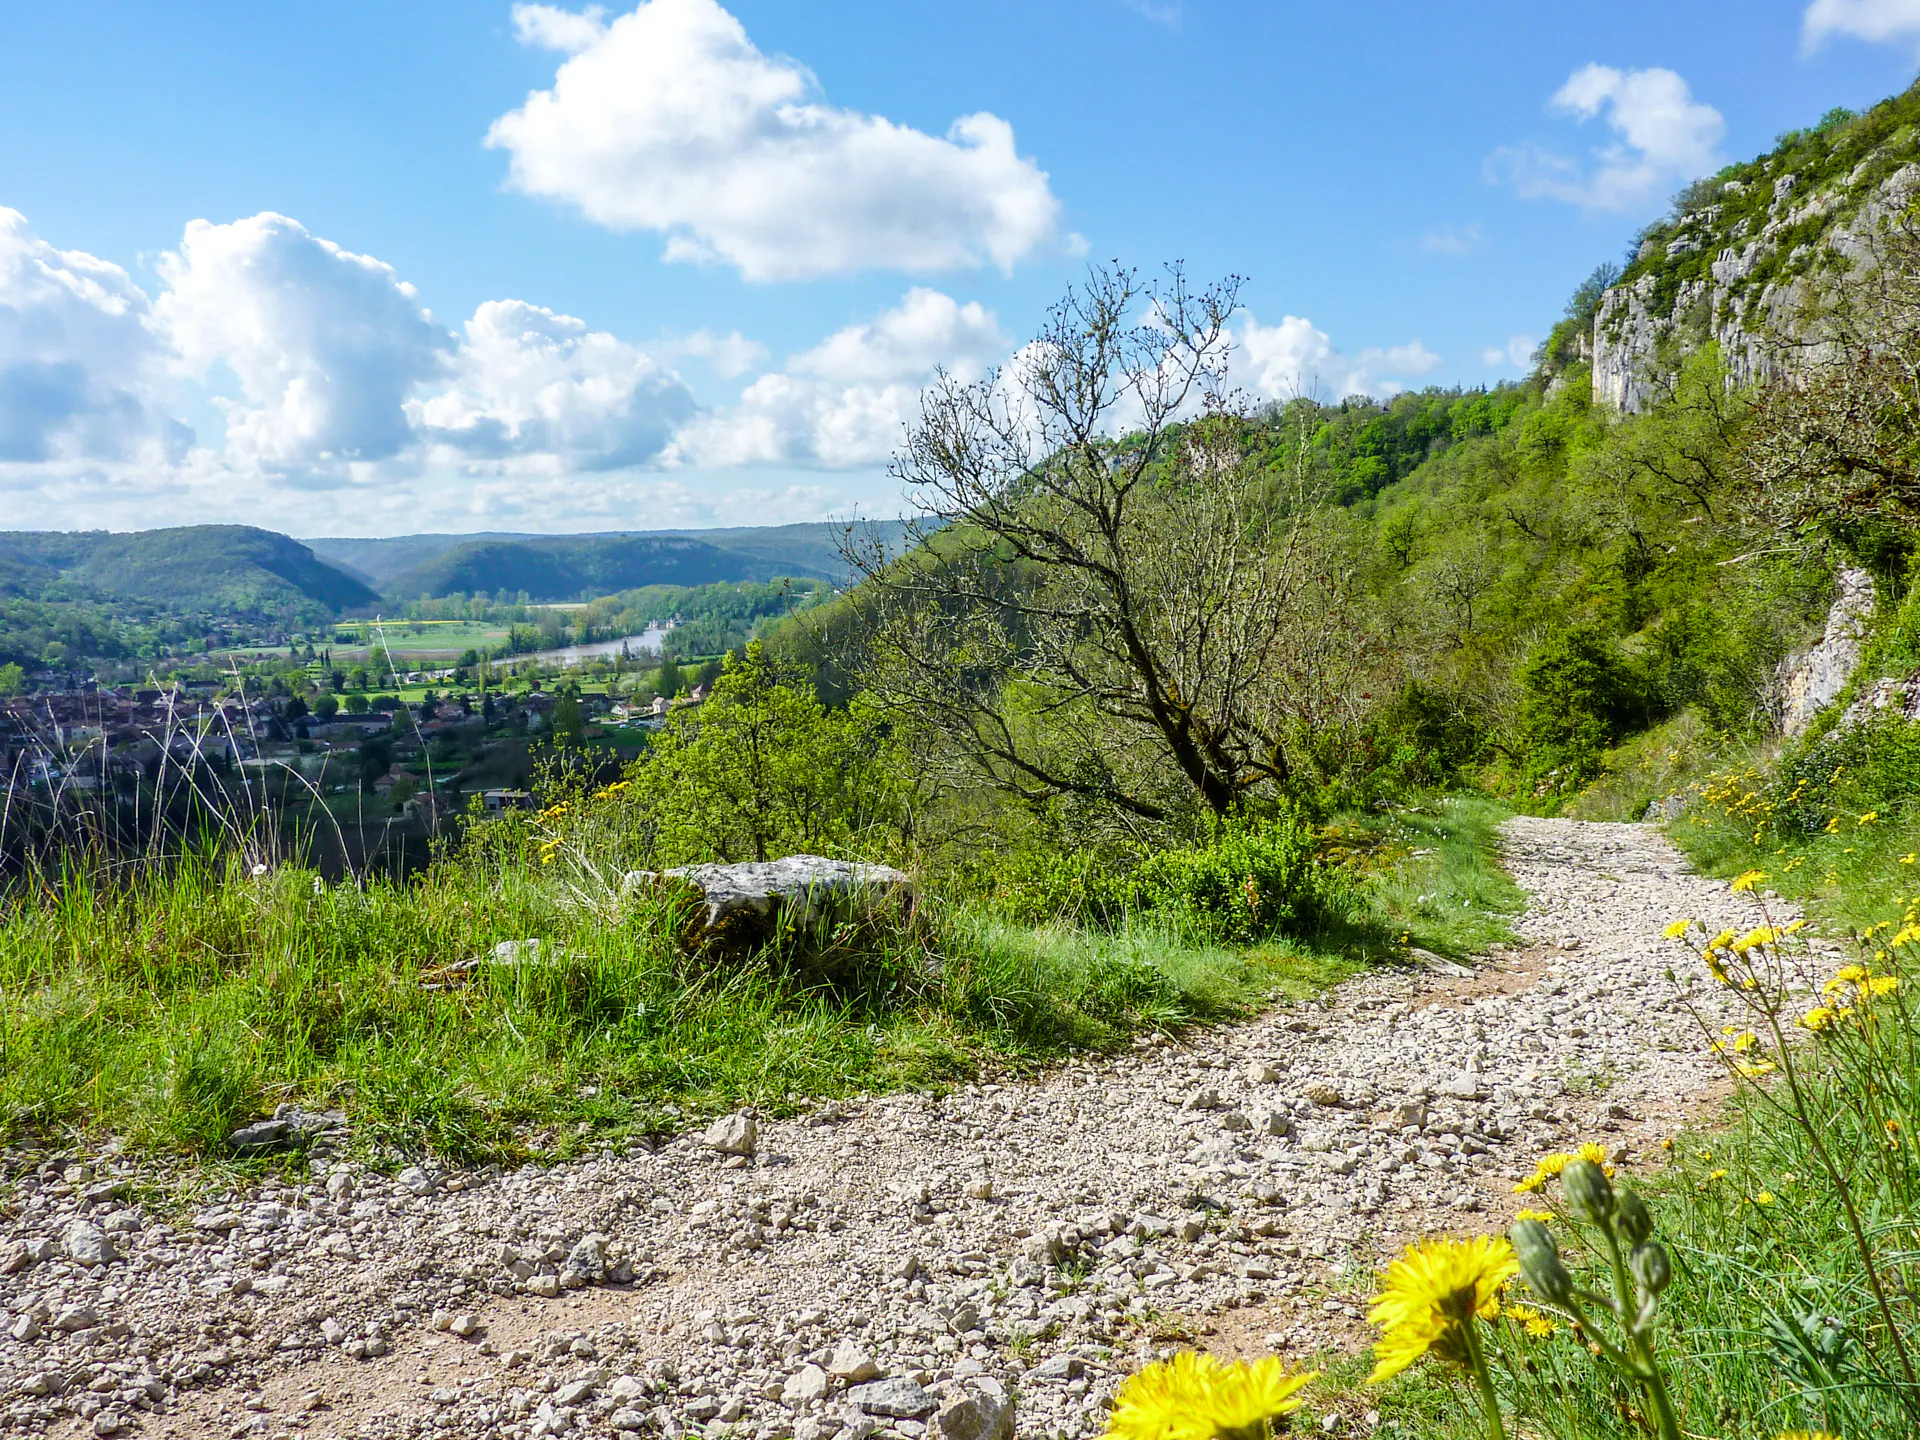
(193, 568)
(578, 567)
(571, 567)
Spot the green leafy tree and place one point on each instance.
(13, 680)
(326, 706)
(569, 725)
(760, 770)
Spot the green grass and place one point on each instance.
(1434, 877)
(176, 1003)
(1753, 1218)
(1650, 766)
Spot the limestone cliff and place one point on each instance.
(1755, 257)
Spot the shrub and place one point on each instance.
(1579, 695)
(1245, 883)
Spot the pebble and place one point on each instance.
(894, 1265)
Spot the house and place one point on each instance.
(499, 800)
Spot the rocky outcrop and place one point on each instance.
(1806, 684)
(1758, 260)
(1895, 695)
(744, 904)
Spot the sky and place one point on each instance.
(373, 269)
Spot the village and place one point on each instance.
(388, 757)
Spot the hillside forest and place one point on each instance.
(1172, 704)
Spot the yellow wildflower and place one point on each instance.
(1883, 985)
(1676, 929)
(1538, 1326)
(1246, 1396)
(1753, 1070)
(1820, 1017)
(1718, 1175)
(1541, 1215)
(1721, 941)
(1431, 1294)
(1765, 1197)
(1760, 935)
(1806, 1435)
(1869, 817)
(1908, 858)
(1747, 879)
(1164, 1401)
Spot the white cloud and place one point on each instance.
(550, 28)
(726, 355)
(78, 358)
(848, 401)
(1453, 240)
(668, 119)
(1169, 15)
(1516, 354)
(1664, 136)
(530, 382)
(1296, 357)
(1875, 20)
(327, 345)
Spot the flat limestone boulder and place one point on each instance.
(746, 902)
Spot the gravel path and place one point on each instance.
(999, 1256)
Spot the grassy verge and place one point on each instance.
(174, 1006)
(1782, 1316)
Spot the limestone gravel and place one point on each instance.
(967, 1265)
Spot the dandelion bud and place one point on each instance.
(1651, 1267)
(1589, 1191)
(1636, 1221)
(1540, 1262)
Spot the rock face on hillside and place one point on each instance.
(744, 903)
(1759, 257)
(1806, 684)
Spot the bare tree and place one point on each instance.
(1837, 433)
(1107, 597)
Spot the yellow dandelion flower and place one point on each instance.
(1676, 929)
(1744, 1042)
(1166, 1401)
(1195, 1397)
(1243, 1397)
(1795, 928)
(1846, 975)
(1765, 1197)
(1747, 879)
(1541, 1215)
(1883, 985)
(1753, 1070)
(1538, 1326)
(1431, 1294)
(1758, 936)
(1908, 858)
(1869, 817)
(1819, 1018)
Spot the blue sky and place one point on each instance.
(369, 269)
